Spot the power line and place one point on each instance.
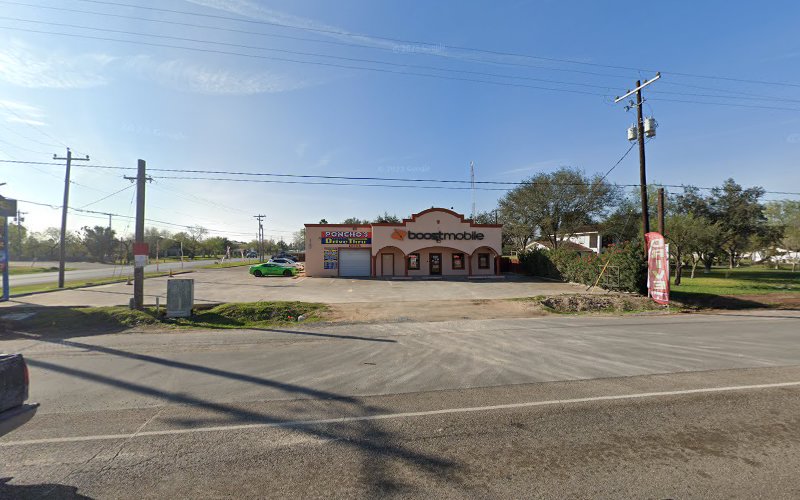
(31, 125)
(313, 40)
(298, 61)
(342, 177)
(275, 181)
(108, 196)
(405, 73)
(418, 42)
(312, 54)
(737, 105)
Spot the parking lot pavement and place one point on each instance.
(236, 285)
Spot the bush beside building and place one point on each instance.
(626, 271)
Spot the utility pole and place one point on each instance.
(140, 250)
(62, 252)
(642, 169)
(640, 133)
(661, 211)
(472, 186)
(260, 219)
(20, 220)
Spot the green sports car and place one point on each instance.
(272, 269)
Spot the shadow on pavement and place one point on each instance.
(38, 491)
(377, 447)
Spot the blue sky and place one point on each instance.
(188, 109)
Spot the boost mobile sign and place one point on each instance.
(439, 236)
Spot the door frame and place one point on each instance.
(430, 265)
(383, 268)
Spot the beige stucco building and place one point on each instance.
(433, 242)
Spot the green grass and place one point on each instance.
(34, 270)
(252, 314)
(738, 281)
(69, 285)
(67, 320)
(83, 319)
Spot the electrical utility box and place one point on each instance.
(180, 298)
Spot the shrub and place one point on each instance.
(567, 265)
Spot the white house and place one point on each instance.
(585, 240)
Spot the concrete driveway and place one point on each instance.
(236, 285)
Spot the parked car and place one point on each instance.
(272, 269)
(284, 261)
(284, 256)
(14, 382)
(251, 255)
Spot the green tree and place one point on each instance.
(487, 217)
(555, 205)
(740, 214)
(160, 239)
(17, 239)
(689, 237)
(99, 242)
(355, 221)
(786, 214)
(386, 218)
(299, 240)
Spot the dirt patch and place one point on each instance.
(775, 300)
(444, 310)
(599, 303)
(440, 310)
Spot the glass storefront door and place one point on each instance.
(436, 263)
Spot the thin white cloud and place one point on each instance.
(184, 76)
(29, 121)
(538, 166)
(20, 112)
(26, 66)
(252, 10)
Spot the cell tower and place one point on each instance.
(472, 186)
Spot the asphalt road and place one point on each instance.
(97, 271)
(692, 406)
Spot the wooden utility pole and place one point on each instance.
(661, 211)
(20, 220)
(260, 218)
(138, 263)
(62, 251)
(640, 137)
(642, 169)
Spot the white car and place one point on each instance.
(284, 262)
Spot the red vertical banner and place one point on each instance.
(657, 268)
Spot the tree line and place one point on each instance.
(703, 227)
(103, 244)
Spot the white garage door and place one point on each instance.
(354, 262)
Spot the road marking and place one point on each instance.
(388, 416)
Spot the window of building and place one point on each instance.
(483, 261)
(592, 241)
(413, 262)
(458, 261)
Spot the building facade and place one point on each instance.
(434, 242)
